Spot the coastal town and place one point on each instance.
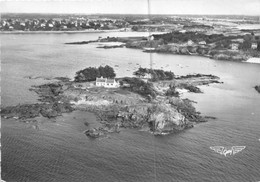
(61, 24)
(140, 23)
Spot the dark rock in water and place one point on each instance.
(34, 110)
(190, 88)
(63, 79)
(22, 111)
(197, 75)
(95, 133)
(102, 131)
(111, 46)
(210, 117)
(82, 42)
(257, 88)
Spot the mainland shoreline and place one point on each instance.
(60, 32)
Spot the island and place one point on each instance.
(150, 100)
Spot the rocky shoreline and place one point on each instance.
(163, 112)
(159, 46)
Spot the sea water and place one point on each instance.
(59, 151)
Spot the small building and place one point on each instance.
(22, 24)
(254, 45)
(151, 37)
(108, 83)
(202, 43)
(146, 77)
(190, 43)
(234, 46)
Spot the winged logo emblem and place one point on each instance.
(225, 151)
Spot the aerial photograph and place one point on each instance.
(130, 90)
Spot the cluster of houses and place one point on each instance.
(237, 42)
(197, 28)
(233, 46)
(60, 24)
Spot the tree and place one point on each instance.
(258, 46)
(107, 72)
(135, 28)
(91, 73)
(247, 42)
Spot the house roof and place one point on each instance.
(110, 80)
(101, 79)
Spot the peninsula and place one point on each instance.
(215, 46)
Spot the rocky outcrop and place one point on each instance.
(100, 132)
(27, 111)
(51, 103)
(163, 119)
(111, 46)
(82, 42)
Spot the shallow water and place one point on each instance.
(59, 151)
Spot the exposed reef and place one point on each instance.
(111, 46)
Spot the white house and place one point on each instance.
(150, 37)
(108, 83)
(182, 31)
(234, 46)
(190, 42)
(254, 45)
(202, 43)
(22, 24)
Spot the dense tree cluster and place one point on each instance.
(248, 39)
(156, 74)
(172, 92)
(139, 86)
(91, 73)
(178, 37)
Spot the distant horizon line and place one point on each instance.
(124, 14)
